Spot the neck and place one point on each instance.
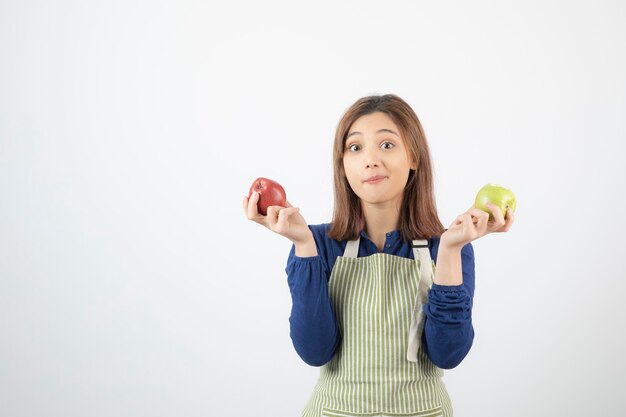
(380, 219)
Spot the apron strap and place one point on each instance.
(421, 253)
(352, 249)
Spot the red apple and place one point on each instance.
(270, 192)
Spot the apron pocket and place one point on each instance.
(435, 412)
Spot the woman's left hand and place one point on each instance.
(474, 224)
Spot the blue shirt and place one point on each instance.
(448, 330)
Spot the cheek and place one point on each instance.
(351, 175)
(347, 168)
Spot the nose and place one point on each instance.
(372, 160)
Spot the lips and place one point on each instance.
(375, 178)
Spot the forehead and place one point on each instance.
(373, 122)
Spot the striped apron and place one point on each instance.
(379, 369)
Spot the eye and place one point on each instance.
(388, 143)
(351, 147)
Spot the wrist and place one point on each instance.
(306, 248)
(448, 270)
(449, 248)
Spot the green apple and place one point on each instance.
(497, 195)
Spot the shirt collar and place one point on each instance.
(393, 235)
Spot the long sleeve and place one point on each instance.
(448, 331)
(313, 327)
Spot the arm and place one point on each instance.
(313, 327)
(448, 331)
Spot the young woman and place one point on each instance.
(368, 305)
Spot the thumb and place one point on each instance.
(287, 203)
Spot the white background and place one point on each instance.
(131, 284)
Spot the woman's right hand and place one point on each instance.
(286, 221)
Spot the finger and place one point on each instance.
(287, 203)
(478, 214)
(478, 219)
(481, 221)
(498, 217)
(509, 214)
(470, 229)
(509, 219)
(272, 215)
(253, 210)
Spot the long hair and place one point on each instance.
(418, 213)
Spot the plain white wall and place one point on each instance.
(132, 285)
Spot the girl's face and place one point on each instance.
(374, 148)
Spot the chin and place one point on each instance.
(375, 199)
(379, 198)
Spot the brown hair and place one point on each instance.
(418, 214)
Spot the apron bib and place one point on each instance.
(379, 369)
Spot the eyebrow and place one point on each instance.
(379, 131)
